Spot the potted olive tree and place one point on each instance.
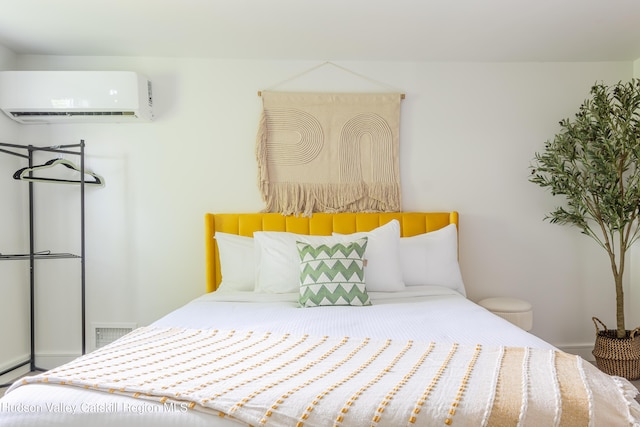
(594, 164)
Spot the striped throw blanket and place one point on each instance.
(301, 380)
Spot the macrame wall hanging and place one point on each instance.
(329, 152)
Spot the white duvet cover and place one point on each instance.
(426, 313)
(429, 314)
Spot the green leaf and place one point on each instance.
(593, 163)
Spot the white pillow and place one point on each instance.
(277, 261)
(432, 259)
(237, 262)
(383, 271)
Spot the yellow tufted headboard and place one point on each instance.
(411, 223)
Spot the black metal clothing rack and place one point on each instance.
(27, 152)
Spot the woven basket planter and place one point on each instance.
(615, 356)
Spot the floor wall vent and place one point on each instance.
(106, 333)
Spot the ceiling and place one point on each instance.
(385, 30)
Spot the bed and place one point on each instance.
(337, 319)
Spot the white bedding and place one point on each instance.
(426, 313)
(422, 313)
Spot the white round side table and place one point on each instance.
(517, 311)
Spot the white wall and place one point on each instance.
(632, 295)
(468, 133)
(14, 285)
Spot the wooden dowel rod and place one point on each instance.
(402, 95)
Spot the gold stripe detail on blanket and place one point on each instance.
(572, 390)
(506, 410)
(329, 152)
(287, 380)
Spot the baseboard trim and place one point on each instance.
(16, 373)
(582, 350)
(44, 361)
(53, 360)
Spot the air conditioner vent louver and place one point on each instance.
(75, 96)
(73, 113)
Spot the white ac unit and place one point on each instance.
(75, 96)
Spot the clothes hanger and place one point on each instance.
(23, 174)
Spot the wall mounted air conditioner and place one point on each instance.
(75, 96)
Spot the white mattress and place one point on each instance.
(422, 313)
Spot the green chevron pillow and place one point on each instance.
(332, 275)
